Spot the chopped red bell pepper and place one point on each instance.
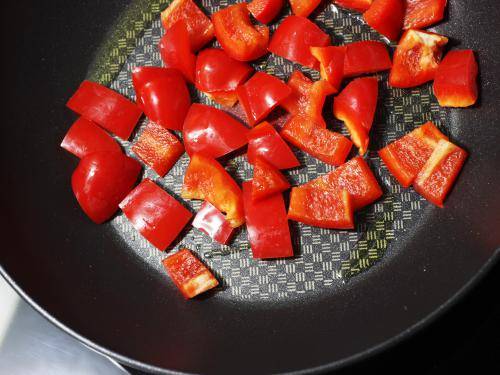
(85, 137)
(265, 142)
(200, 29)
(356, 177)
(106, 108)
(416, 58)
(212, 132)
(265, 11)
(206, 179)
(455, 82)
(438, 174)
(294, 36)
(356, 106)
(235, 32)
(357, 5)
(423, 13)
(224, 98)
(100, 182)
(325, 145)
(386, 17)
(175, 50)
(163, 95)
(321, 208)
(267, 180)
(406, 156)
(366, 57)
(331, 64)
(189, 275)
(303, 8)
(260, 95)
(267, 225)
(158, 148)
(155, 214)
(213, 223)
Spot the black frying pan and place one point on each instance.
(104, 285)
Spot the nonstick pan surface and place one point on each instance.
(344, 296)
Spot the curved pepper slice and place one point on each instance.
(200, 29)
(155, 214)
(321, 208)
(386, 17)
(356, 106)
(101, 181)
(303, 8)
(212, 132)
(206, 179)
(406, 156)
(267, 180)
(366, 57)
(265, 11)
(435, 179)
(260, 95)
(213, 223)
(331, 62)
(423, 13)
(356, 177)
(267, 225)
(158, 148)
(175, 50)
(325, 145)
(416, 58)
(357, 5)
(235, 32)
(85, 137)
(455, 81)
(106, 108)
(265, 142)
(189, 275)
(294, 36)
(163, 95)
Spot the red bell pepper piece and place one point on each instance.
(206, 179)
(265, 142)
(331, 64)
(224, 98)
(200, 29)
(267, 180)
(265, 11)
(267, 225)
(212, 132)
(156, 215)
(386, 17)
(163, 95)
(356, 177)
(188, 274)
(438, 174)
(357, 5)
(321, 208)
(235, 32)
(455, 82)
(106, 108)
(303, 8)
(356, 106)
(85, 137)
(260, 95)
(100, 182)
(213, 223)
(406, 156)
(416, 58)
(158, 148)
(325, 145)
(423, 13)
(175, 50)
(294, 36)
(366, 57)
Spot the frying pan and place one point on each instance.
(344, 296)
